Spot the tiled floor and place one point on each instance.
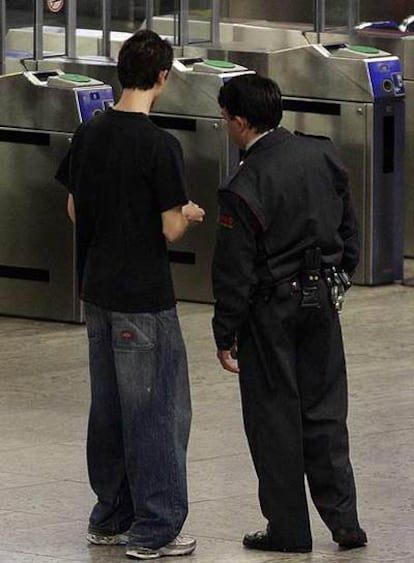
(44, 493)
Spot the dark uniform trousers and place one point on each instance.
(294, 399)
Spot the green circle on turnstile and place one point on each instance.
(364, 49)
(78, 78)
(219, 64)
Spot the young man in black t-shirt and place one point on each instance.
(127, 197)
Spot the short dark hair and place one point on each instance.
(141, 59)
(256, 98)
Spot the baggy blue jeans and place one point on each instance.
(139, 424)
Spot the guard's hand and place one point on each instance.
(227, 361)
(193, 212)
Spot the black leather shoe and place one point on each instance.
(262, 540)
(350, 539)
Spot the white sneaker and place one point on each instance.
(181, 545)
(100, 539)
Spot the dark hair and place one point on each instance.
(255, 98)
(141, 59)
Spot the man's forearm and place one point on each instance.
(177, 220)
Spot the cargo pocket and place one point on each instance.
(133, 332)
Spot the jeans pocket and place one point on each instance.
(133, 332)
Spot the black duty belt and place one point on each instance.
(308, 284)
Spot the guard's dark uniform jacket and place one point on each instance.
(289, 194)
(292, 193)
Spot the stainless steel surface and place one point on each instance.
(408, 58)
(183, 16)
(319, 17)
(70, 36)
(353, 14)
(268, 36)
(37, 237)
(409, 171)
(401, 45)
(3, 28)
(320, 76)
(38, 30)
(101, 68)
(208, 157)
(357, 132)
(27, 106)
(189, 109)
(311, 69)
(149, 13)
(106, 28)
(37, 256)
(215, 31)
(190, 93)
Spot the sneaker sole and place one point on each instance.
(174, 552)
(162, 552)
(95, 539)
(142, 556)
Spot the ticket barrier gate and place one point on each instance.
(188, 108)
(401, 44)
(355, 96)
(39, 112)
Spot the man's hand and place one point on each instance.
(177, 220)
(228, 361)
(193, 212)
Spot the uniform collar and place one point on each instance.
(276, 136)
(249, 145)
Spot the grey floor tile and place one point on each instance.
(49, 461)
(17, 556)
(40, 426)
(214, 478)
(63, 500)
(212, 550)
(373, 453)
(15, 480)
(63, 541)
(12, 521)
(225, 519)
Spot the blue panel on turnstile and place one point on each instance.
(92, 101)
(386, 78)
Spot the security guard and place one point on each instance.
(286, 243)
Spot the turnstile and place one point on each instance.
(39, 112)
(189, 110)
(355, 96)
(401, 44)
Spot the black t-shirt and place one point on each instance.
(123, 172)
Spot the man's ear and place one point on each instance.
(162, 77)
(242, 122)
